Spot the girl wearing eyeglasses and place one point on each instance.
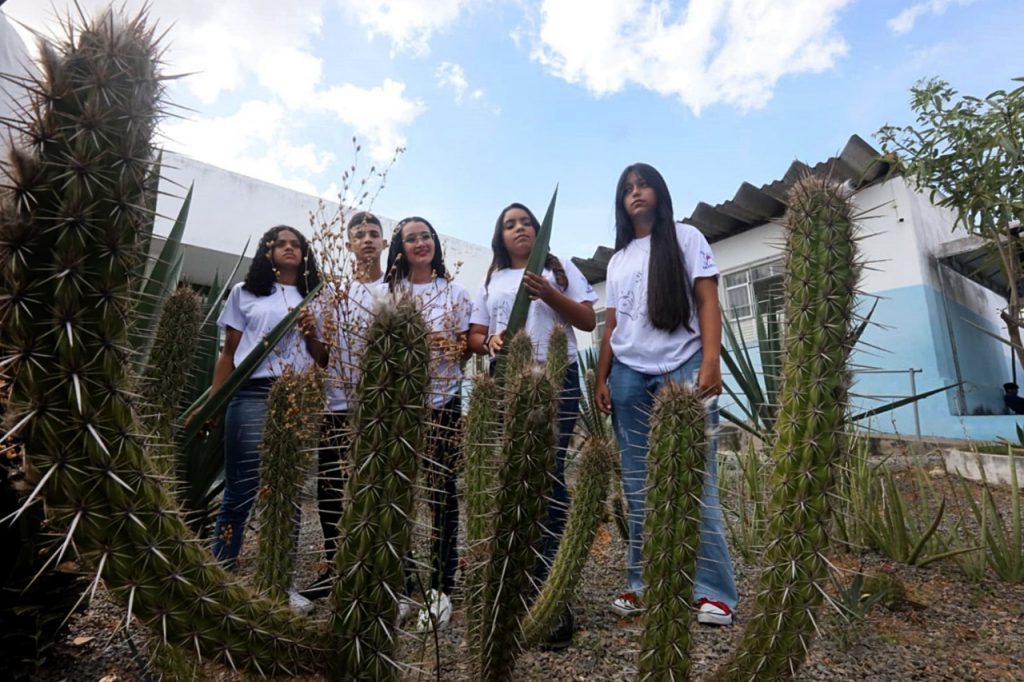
(415, 266)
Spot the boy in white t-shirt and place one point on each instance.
(343, 311)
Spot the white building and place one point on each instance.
(928, 313)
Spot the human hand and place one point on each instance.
(494, 343)
(538, 287)
(307, 323)
(709, 378)
(603, 397)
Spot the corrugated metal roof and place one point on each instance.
(752, 206)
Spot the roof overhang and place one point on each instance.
(974, 258)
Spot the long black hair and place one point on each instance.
(261, 276)
(501, 258)
(667, 276)
(397, 269)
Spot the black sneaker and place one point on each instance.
(560, 636)
(319, 588)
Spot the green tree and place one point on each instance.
(967, 151)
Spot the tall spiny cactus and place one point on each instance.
(594, 471)
(482, 442)
(294, 407)
(558, 357)
(822, 271)
(69, 248)
(170, 364)
(675, 472)
(389, 435)
(519, 508)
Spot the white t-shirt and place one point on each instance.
(493, 306)
(255, 316)
(346, 310)
(635, 342)
(446, 309)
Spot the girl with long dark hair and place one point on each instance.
(415, 267)
(560, 297)
(282, 272)
(662, 323)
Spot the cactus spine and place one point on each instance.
(290, 433)
(519, 511)
(70, 235)
(822, 271)
(675, 466)
(389, 436)
(170, 364)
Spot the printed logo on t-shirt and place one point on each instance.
(707, 260)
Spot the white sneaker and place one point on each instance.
(405, 606)
(713, 613)
(299, 604)
(437, 614)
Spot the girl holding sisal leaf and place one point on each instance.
(560, 297)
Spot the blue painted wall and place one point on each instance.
(910, 330)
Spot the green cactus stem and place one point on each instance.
(170, 364)
(73, 219)
(558, 357)
(389, 435)
(482, 444)
(675, 473)
(585, 514)
(294, 408)
(518, 357)
(519, 511)
(822, 272)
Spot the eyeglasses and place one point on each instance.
(414, 238)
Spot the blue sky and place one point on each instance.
(498, 100)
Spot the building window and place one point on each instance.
(598, 328)
(760, 285)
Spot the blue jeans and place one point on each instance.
(558, 503)
(632, 396)
(243, 432)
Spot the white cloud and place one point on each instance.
(379, 114)
(452, 76)
(905, 20)
(232, 44)
(713, 51)
(253, 141)
(408, 24)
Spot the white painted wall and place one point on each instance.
(229, 208)
(14, 61)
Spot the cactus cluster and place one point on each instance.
(73, 224)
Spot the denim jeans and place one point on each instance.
(632, 396)
(558, 503)
(243, 432)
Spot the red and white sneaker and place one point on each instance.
(713, 613)
(627, 604)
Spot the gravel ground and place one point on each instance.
(946, 629)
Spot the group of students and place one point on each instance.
(662, 323)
